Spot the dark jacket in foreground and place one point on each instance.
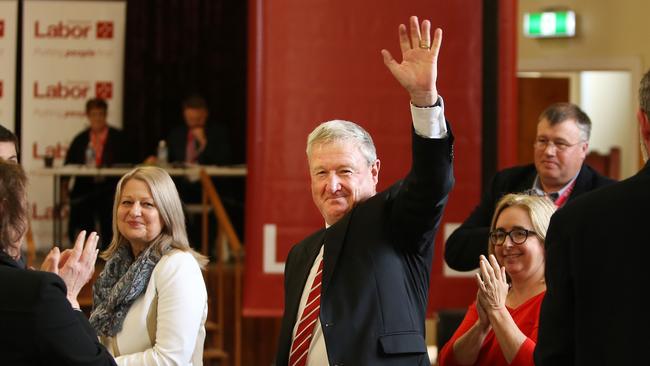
(37, 324)
(597, 278)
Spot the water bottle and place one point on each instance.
(162, 153)
(90, 157)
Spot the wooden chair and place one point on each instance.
(448, 321)
(608, 165)
(228, 248)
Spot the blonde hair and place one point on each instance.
(539, 209)
(173, 234)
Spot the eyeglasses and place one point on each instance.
(542, 144)
(518, 236)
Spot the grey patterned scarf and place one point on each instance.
(121, 282)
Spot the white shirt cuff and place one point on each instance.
(430, 121)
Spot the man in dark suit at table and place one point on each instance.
(197, 141)
(559, 171)
(595, 308)
(202, 141)
(375, 256)
(91, 198)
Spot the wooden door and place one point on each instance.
(535, 94)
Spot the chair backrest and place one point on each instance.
(608, 165)
(448, 322)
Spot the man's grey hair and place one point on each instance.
(559, 112)
(644, 94)
(343, 131)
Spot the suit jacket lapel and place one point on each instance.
(306, 259)
(334, 237)
(582, 182)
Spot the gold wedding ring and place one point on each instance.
(424, 44)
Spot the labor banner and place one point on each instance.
(72, 51)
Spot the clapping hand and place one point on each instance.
(418, 71)
(492, 284)
(483, 319)
(75, 266)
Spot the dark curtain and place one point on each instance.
(178, 47)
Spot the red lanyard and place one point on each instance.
(190, 148)
(98, 141)
(560, 201)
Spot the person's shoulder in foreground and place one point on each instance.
(596, 272)
(39, 326)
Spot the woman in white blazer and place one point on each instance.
(150, 301)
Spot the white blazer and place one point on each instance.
(165, 325)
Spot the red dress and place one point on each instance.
(526, 316)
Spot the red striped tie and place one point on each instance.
(302, 340)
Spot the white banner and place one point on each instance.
(8, 38)
(72, 51)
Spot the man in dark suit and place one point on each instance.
(91, 198)
(196, 141)
(594, 311)
(559, 171)
(367, 304)
(204, 142)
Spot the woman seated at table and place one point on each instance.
(150, 301)
(500, 327)
(40, 320)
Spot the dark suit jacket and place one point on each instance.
(597, 252)
(376, 266)
(37, 324)
(216, 152)
(470, 240)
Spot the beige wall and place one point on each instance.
(610, 35)
(605, 29)
(613, 119)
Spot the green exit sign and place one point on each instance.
(550, 24)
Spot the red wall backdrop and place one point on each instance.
(317, 60)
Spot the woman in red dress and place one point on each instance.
(500, 327)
